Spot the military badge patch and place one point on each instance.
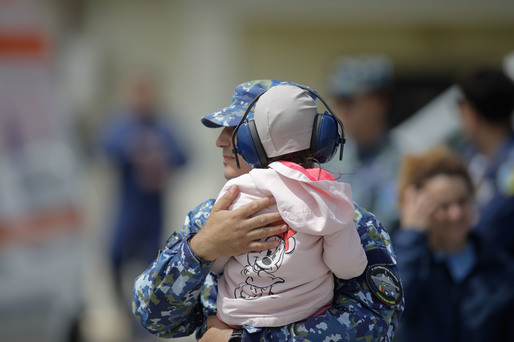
(384, 284)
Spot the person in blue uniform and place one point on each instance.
(145, 150)
(361, 87)
(176, 295)
(457, 287)
(486, 108)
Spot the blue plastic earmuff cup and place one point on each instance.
(326, 138)
(246, 147)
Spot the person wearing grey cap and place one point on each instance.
(361, 86)
(176, 296)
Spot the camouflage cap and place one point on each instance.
(244, 94)
(359, 74)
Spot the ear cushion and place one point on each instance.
(325, 137)
(249, 145)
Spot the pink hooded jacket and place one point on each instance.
(294, 281)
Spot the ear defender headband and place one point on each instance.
(324, 140)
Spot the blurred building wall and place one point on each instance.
(203, 49)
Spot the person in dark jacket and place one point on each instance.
(486, 112)
(456, 288)
(145, 147)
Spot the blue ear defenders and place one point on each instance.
(324, 140)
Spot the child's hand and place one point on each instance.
(217, 332)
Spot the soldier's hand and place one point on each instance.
(234, 232)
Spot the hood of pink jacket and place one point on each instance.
(310, 200)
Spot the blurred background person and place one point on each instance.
(486, 110)
(456, 288)
(145, 149)
(361, 86)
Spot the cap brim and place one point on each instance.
(227, 117)
(207, 122)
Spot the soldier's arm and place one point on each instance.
(166, 297)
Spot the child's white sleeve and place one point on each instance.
(343, 253)
(219, 264)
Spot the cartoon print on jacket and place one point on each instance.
(262, 265)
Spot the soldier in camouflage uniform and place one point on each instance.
(176, 295)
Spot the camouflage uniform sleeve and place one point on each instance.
(166, 296)
(360, 312)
